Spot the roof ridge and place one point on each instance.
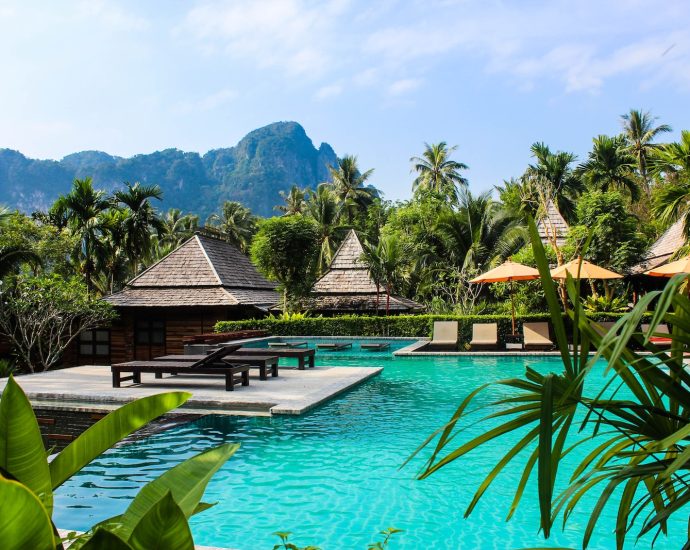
(213, 267)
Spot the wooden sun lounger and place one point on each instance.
(484, 336)
(660, 341)
(301, 355)
(603, 327)
(287, 344)
(261, 362)
(335, 346)
(377, 346)
(445, 335)
(178, 367)
(536, 336)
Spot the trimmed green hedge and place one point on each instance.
(395, 325)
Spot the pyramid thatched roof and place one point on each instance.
(347, 285)
(552, 222)
(203, 271)
(662, 249)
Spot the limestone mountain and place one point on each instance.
(264, 162)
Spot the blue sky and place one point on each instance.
(375, 79)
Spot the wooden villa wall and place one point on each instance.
(179, 322)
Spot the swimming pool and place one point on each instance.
(332, 476)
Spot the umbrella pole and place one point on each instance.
(512, 303)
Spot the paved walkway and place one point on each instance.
(293, 392)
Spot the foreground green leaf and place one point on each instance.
(163, 526)
(109, 430)
(22, 453)
(24, 522)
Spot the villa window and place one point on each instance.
(149, 332)
(94, 342)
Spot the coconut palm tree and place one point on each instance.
(294, 201)
(640, 131)
(176, 228)
(392, 264)
(437, 173)
(83, 207)
(672, 161)
(372, 259)
(140, 222)
(236, 224)
(348, 183)
(480, 233)
(610, 165)
(553, 180)
(323, 206)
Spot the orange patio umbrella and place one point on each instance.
(508, 272)
(671, 269)
(582, 269)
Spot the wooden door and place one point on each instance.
(149, 339)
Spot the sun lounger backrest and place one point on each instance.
(446, 331)
(602, 328)
(660, 329)
(535, 332)
(485, 332)
(217, 355)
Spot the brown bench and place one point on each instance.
(177, 367)
(299, 354)
(261, 362)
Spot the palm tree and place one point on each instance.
(372, 259)
(324, 207)
(83, 207)
(294, 201)
(437, 173)
(672, 201)
(392, 261)
(236, 223)
(140, 222)
(112, 266)
(639, 131)
(610, 165)
(176, 228)
(480, 233)
(553, 179)
(348, 183)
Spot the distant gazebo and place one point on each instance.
(552, 226)
(665, 246)
(347, 286)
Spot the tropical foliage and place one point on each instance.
(635, 428)
(156, 518)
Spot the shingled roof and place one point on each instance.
(203, 271)
(662, 249)
(347, 286)
(551, 222)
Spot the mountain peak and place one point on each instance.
(266, 161)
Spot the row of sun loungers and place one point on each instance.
(485, 336)
(535, 335)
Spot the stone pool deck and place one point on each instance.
(294, 392)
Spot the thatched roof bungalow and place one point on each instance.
(552, 225)
(348, 288)
(672, 240)
(203, 281)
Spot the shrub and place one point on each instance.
(413, 326)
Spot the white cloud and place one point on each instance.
(110, 15)
(329, 91)
(207, 103)
(404, 86)
(293, 35)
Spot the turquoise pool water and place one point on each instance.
(332, 476)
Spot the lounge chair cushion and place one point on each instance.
(536, 334)
(445, 333)
(484, 334)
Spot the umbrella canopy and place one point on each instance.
(587, 271)
(671, 269)
(507, 271)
